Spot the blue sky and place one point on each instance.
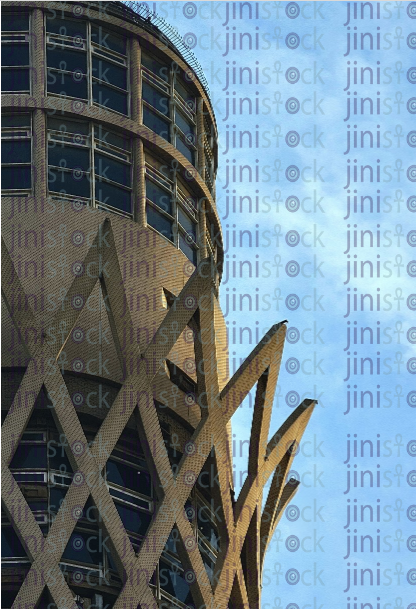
(393, 422)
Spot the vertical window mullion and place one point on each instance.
(128, 77)
(89, 63)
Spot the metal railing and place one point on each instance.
(153, 23)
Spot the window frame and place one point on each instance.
(179, 202)
(7, 135)
(92, 49)
(92, 144)
(176, 104)
(14, 38)
(129, 491)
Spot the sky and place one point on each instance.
(302, 257)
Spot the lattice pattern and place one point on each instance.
(194, 306)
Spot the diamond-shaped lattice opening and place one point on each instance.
(236, 597)
(92, 398)
(129, 473)
(240, 444)
(14, 558)
(13, 350)
(11, 379)
(210, 526)
(45, 601)
(13, 553)
(40, 464)
(175, 579)
(87, 562)
(250, 554)
(91, 347)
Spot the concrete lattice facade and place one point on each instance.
(116, 458)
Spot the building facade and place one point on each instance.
(116, 405)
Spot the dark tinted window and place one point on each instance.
(14, 22)
(186, 222)
(183, 124)
(15, 151)
(187, 250)
(128, 477)
(110, 98)
(160, 197)
(58, 459)
(15, 79)
(68, 157)
(155, 66)
(11, 546)
(15, 120)
(28, 456)
(56, 496)
(183, 148)
(134, 520)
(206, 527)
(174, 583)
(16, 54)
(67, 84)
(156, 123)
(84, 547)
(110, 194)
(155, 99)
(63, 58)
(111, 169)
(69, 182)
(65, 27)
(108, 40)
(109, 72)
(162, 224)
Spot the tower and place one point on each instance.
(116, 452)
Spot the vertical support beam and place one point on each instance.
(139, 212)
(203, 230)
(139, 185)
(39, 155)
(136, 81)
(37, 50)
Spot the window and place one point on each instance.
(172, 580)
(206, 525)
(85, 61)
(89, 163)
(84, 546)
(157, 124)
(172, 212)
(11, 546)
(15, 75)
(182, 380)
(159, 208)
(208, 160)
(185, 136)
(212, 238)
(131, 488)
(169, 109)
(134, 521)
(16, 154)
(109, 70)
(129, 477)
